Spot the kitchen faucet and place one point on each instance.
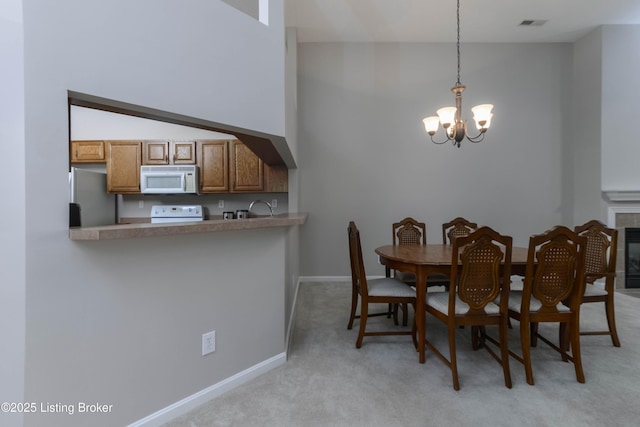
(262, 201)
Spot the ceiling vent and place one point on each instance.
(533, 22)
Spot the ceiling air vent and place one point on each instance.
(533, 22)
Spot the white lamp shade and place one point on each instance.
(482, 113)
(447, 115)
(431, 124)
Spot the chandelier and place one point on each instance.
(455, 128)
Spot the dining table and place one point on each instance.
(424, 260)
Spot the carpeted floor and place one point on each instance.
(328, 382)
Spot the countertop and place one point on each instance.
(129, 231)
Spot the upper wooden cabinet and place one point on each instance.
(246, 168)
(213, 164)
(123, 166)
(229, 166)
(87, 152)
(162, 152)
(276, 179)
(224, 166)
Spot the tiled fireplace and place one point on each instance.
(626, 218)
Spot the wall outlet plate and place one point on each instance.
(208, 343)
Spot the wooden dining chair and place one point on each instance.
(407, 232)
(552, 292)
(455, 228)
(482, 276)
(386, 290)
(412, 232)
(600, 269)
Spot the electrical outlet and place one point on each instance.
(221, 204)
(274, 203)
(141, 204)
(208, 343)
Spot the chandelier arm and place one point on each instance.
(476, 138)
(441, 142)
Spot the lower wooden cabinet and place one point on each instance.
(123, 166)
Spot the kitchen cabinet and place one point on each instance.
(124, 159)
(87, 152)
(213, 165)
(276, 179)
(162, 152)
(225, 166)
(246, 169)
(231, 167)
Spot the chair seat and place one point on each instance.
(594, 291)
(440, 301)
(515, 302)
(389, 287)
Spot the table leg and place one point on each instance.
(421, 295)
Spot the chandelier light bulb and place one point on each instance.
(447, 116)
(482, 116)
(431, 124)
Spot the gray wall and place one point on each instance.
(620, 107)
(364, 155)
(584, 142)
(12, 214)
(120, 322)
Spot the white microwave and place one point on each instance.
(169, 179)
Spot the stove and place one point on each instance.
(162, 214)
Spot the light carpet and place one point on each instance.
(328, 382)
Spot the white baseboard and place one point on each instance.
(324, 279)
(191, 402)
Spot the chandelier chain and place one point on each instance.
(458, 42)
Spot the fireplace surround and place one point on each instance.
(632, 257)
(626, 218)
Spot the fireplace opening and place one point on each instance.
(632, 257)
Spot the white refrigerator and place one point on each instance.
(88, 193)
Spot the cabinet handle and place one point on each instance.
(174, 158)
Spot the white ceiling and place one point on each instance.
(434, 21)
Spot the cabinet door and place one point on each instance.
(246, 169)
(87, 152)
(155, 152)
(123, 166)
(168, 152)
(276, 179)
(182, 152)
(213, 162)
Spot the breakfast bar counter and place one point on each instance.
(137, 230)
